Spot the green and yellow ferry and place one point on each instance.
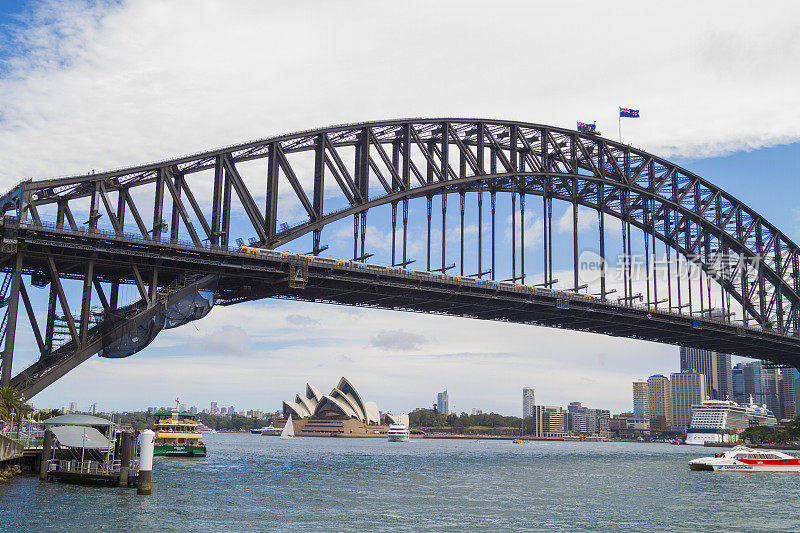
(177, 435)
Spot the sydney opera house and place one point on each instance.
(342, 412)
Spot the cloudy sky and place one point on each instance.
(99, 85)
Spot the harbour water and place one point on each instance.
(249, 482)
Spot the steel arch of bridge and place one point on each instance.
(396, 161)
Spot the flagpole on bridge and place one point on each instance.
(619, 126)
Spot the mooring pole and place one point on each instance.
(47, 452)
(126, 453)
(146, 449)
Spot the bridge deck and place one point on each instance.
(250, 275)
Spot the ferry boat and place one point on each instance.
(398, 433)
(177, 434)
(742, 458)
(723, 420)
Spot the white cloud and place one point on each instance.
(587, 218)
(114, 85)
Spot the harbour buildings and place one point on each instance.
(686, 389)
(790, 380)
(549, 421)
(659, 402)
(641, 410)
(737, 376)
(716, 367)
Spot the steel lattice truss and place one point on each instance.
(753, 265)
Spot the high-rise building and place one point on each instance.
(724, 387)
(94, 408)
(477, 411)
(686, 389)
(659, 403)
(737, 374)
(715, 366)
(442, 403)
(193, 409)
(787, 393)
(528, 401)
(223, 411)
(753, 382)
(549, 421)
(214, 408)
(581, 423)
(231, 411)
(796, 393)
(73, 407)
(771, 386)
(575, 407)
(640, 394)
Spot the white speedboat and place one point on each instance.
(748, 460)
(398, 433)
(270, 431)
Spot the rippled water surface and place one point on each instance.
(250, 482)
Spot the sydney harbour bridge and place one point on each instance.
(486, 219)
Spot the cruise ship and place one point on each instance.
(722, 420)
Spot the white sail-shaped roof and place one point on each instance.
(297, 410)
(347, 398)
(348, 390)
(373, 414)
(330, 406)
(313, 393)
(344, 400)
(310, 405)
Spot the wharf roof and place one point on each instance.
(76, 420)
(81, 437)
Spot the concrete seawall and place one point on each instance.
(10, 449)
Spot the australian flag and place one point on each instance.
(628, 113)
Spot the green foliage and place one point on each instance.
(232, 423)
(143, 420)
(44, 415)
(138, 421)
(431, 419)
(761, 434)
(12, 404)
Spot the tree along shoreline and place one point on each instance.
(769, 435)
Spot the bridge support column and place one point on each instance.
(11, 323)
(405, 233)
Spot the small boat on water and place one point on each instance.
(518, 441)
(202, 428)
(398, 433)
(177, 434)
(270, 431)
(288, 429)
(742, 458)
